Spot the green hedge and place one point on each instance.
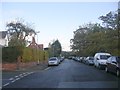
(10, 54)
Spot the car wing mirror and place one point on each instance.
(114, 62)
(97, 58)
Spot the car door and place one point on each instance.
(109, 63)
(113, 64)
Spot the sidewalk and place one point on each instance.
(36, 67)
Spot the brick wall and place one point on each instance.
(18, 66)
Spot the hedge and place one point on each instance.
(10, 54)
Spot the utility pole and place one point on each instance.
(37, 49)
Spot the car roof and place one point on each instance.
(102, 54)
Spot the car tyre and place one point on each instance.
(106, 69)
(117, 73)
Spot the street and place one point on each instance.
(68, 74)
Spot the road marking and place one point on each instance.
(6, 84)
(47, 68)
(31, 72)
(16, 76)
(13, 81)
(11, 78)
(24, 73)
(17, 79)
(20, 75)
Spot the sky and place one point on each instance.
(55, 20)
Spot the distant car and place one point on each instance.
(100, 60)
(82, 59)
(113, 65)
(53, 61)
(90, 60)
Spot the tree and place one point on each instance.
(110, 20)
(56, 48)
(92, 38)
(84, 38)
(17, 33)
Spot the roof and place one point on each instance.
(3, 34)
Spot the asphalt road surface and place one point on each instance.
(68, 74)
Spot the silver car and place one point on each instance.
(53, 61)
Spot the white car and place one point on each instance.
(53, 61)
(100, 60)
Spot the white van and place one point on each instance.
(100, 60)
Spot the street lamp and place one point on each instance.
(37, 52)
(53, 50)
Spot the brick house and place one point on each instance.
(33, 44)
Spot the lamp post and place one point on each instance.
(37, 51)
(53, 50)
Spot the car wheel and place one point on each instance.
(94, 65)
(106, 69)
(117, 73)
(99, 66)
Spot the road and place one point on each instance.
(69, 74)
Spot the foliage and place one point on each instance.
(55, 48)
(110, 20)
(30, 54)
(17, 33)
(10, 54)
(89, 40)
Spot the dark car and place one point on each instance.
(113, 65)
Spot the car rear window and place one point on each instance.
(118, 59)
(52, 59)
(91, 58)
(104, 56)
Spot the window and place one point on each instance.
(113, 59)
(109, 59)
(104, 56)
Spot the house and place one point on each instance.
(33, 44)
(3, 39)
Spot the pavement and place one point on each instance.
(40, 66)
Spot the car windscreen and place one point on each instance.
(104, 57)
(52, 59)
(91, 58)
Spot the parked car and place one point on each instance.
(113, 65)
(82, 59)
(90, 60)
(100, 60)
(53, 61)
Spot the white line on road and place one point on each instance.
(16, 76)
(24, 73)
(11, 78)
(47, 68)
(17, 79)
(20, 75)
(6, 84)
(13, 81)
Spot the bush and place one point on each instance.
(10, 54)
